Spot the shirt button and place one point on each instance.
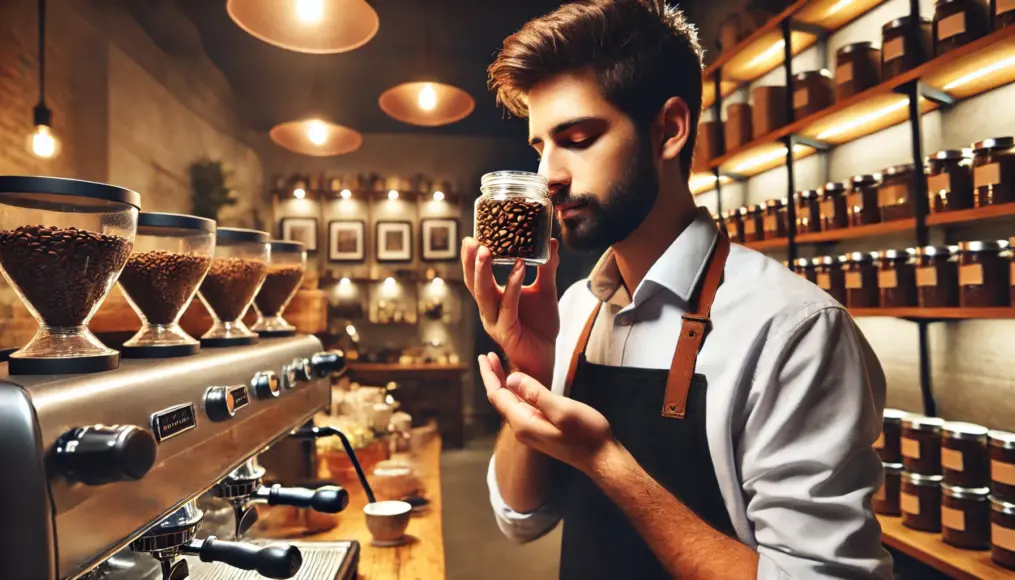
(624, 320)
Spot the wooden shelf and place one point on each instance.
(772, 244)
(917, 313)
(857, 232)
(931, 550)
(971, 215)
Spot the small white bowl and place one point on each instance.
(387, 520)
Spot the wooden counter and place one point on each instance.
(930, 549)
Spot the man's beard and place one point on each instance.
(627, 204)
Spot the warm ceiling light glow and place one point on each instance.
(350, 330)
(42, 143)
(438, 196)
(764, 159)
(863, 120)
(393, 195)
(989, 69)
(698, 182)
(769, 53)
(344, 282)
(437, 281)
(346, 194)
(427, 97)
(299, 193)
(838, 6)
(426, 104)
(389, 282)
(317, 132)
(310, 11)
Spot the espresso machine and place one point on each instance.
(106, 467)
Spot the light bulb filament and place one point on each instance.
(427, 97)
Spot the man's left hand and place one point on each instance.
(562, 428)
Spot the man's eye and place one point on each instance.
(581, 143)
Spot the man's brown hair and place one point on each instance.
(642, 52)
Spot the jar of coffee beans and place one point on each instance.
(237, 271)
(513, 217)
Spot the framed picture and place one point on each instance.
(346, 241)
(440, 239)
(300, 229)
(394, 241)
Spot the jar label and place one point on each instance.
(854, 280)
(1002, 472)
(880, 443)
(909, 503)
(893, 49)
(953, 519)
(910, 448)
(844, 72)
(824, 281)
(949, 27)
(799, 98)
(880, 493)
(828, 209)
(892, 195)
(854, 202)
(926, 276)
(770, 224)
(971, 275)
(941, 182)
(951, 459)
(887, 279)
(1003, 6)
(749, 226)
(734, 229)
(989, 174)
(1002, 537)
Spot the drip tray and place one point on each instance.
(321, 561)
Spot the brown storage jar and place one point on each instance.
(833, 206)
(806, 269)
(1002, 532)
(1004, 13)
(905, 44)
(734, 221)
(965, 461)
(739, 128)
(896, 192)
(857, 68)
(888, 444)
(984, 268)
(1002, 464)
(886, 498)
(812, 92)
(937, 276)
(921, 444)
(754, 224)
(861, 274)
(808, 211)
(994, 171)
(958, 22)
(862, 201)
(950, 180)
(897, 278)
(710, 141)
(965, 516)
(831, 278)
(775, 220)
(920, 500)
(769, 110)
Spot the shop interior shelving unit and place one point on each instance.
(970, 70)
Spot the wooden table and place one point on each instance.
(930, 549)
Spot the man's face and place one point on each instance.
(601, 173)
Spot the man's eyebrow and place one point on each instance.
(561, 127)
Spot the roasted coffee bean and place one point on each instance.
(279, 286)
(512, 228)
(63, 273)
(231, 284)
(161, 283)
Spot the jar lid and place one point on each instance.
(803, 262)
(17, 184)
(525, 179)
(807, 194)
(834, 186)
(994, 143)
(730, 213)
(922, 480)
(897, 169)
(892, 467)
(974, 493)
(175, 221)
(937, 250)
(811, 74)
(981, 246)
(757, 207)
(1002, 506)
(862, 256)
(855, 47)
(776, 203)
(742, 211)
(1002, 439)
(949, 154)
(286, 246)
(894, 416)
(241, 235)
(865, 179)
(961, 430)
(921, 423)
(901, 22)
(896, 254)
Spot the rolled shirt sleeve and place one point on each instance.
(805, 456)
(517, 526)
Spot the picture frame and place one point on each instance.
(439, 239)
(300, 229)
(347, 241)
(393, 241)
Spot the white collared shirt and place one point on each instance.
(794, 402)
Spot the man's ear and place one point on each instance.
(674, 121)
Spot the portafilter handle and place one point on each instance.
(329, 499)
(271, 562)
(314, 432)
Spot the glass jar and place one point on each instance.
(857, 68)
(897, 278)
(808, 213)
(172, 254)
(895, 193)
(734, 220)
(1002, 464)
(806, 269)
(861, 278)
(833, 206)
(886, 498)
(921, 444)
(950, 180)
(235, 276)
(831, 278)
(514, 217)
(994, 171)
(287, 262)
(862, 201)
(754, 223)
(920, 500)
(775, 220)
(1004, 13)
(888, 444)
(965, 516)
(958, 22)
(937, 276)
(905, 44)
(984, 268)
(964, 457)
(1002, 532)
(812, 91)
(63, 242)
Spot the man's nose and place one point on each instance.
(556, 176)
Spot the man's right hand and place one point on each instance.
(523, 320)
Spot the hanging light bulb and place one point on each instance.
(309, 26)
(427, 97)
(346, 194)
(438, 196)
(393, 195)
(317, 132)
(299, 193)
(310, 11)
(41, 142)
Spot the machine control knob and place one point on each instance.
(103, 454)
(219, 403)
(265, 385)
(328, 363)
(301, 366)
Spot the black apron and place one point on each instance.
(671, 445)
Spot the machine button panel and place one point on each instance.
(265, 385)
(222, 403)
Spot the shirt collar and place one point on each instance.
(677, 270)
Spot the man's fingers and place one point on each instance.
(469, 247)
(497, 366)
(528, 389)
(512, 293)
(493, 379)
(546, 274)
(485, 287)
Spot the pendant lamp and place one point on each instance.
(316, 137)
(311, 26)
(41, 142)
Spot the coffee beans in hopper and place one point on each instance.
(230, 284)
(62, 272)
(160, 283)
(280, 283)
(512, 228)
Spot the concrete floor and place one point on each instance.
(473, 546)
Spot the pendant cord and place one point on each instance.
(42, 53)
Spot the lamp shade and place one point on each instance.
(312, 26)
(426, 104)
(316, 138)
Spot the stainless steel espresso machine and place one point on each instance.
(104, 469)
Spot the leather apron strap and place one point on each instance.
(692, 333)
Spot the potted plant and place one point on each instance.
(210, 191)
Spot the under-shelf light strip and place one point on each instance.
(766, 158)
(989, 69)
(862, 120)
(768, 54)
(837, 6)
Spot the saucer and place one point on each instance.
(390, 543)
